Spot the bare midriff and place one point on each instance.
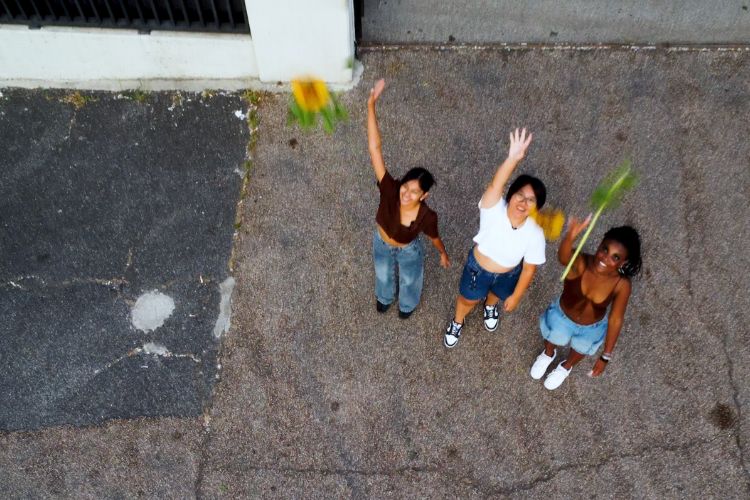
(582, 312)
(489, 264)
(388, 239)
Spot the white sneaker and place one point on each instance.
(542, 362)
(452, 334)
(491, 318)
(556, 377)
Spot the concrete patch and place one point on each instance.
(151, 310)
(225, 307)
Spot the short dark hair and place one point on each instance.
(425, 178)
(627, 237)
(528, 180)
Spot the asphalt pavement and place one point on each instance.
(318, 395)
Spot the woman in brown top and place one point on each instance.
(579, 317)
(402, 215)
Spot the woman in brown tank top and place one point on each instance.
(579, 317)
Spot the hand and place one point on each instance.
(511, 303)
(445, 261)
(376, 90)
(598, 368)
(519, 143)
(575, 226)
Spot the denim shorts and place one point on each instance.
(560, 330)
(476, 282)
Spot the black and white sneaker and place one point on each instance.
(491, 317)
(452, 334)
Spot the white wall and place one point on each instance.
(117, 59)
(290, 38)
(303, 37)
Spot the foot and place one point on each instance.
(452, 334)
(491, 317)
(556, 377)
(542, 362)
(381, 307)
(404, 315)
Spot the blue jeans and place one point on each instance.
(410, 263)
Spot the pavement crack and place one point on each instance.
(129, 354)
(31, 283)
(552, 473)
(346, 471)
(737, 406)
(149, 348)
(129, 261)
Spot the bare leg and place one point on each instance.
(463, 307)
(573, 359)
(549, 348)
(491, 299)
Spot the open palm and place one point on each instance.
(377, 89)
(519, 143)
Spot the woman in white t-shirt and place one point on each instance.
(509, 244)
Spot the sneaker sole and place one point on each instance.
(491, 329)
(449, 346)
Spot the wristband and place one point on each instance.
(606, 357)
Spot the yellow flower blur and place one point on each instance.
(551, 221)
(311, 95)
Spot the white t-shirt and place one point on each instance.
(507, 246)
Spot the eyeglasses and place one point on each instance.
(521, 198)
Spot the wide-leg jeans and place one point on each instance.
(408, 261)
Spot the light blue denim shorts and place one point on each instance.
(560, 330)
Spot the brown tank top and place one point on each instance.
(573, 296)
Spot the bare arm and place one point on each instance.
(565, 251)
(527, 274)
(373, 133)
(519, 143)
(445, 261)
(614, 323)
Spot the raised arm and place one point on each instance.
(373, 133)
(614, 324)
(565, 252)
(519, 142)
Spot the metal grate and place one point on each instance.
(225, 16)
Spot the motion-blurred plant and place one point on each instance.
(608, 194)
(551, 220)
(310, 99)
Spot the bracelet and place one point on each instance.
(606, 357)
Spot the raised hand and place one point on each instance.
(376, 90)
(576, 226)
(519, 143)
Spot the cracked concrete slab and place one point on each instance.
(316, 384)
(106, 197)
(321, 397)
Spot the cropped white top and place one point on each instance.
(507, 246)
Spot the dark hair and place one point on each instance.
(425, 178)
(627, 237)
(528, 180)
